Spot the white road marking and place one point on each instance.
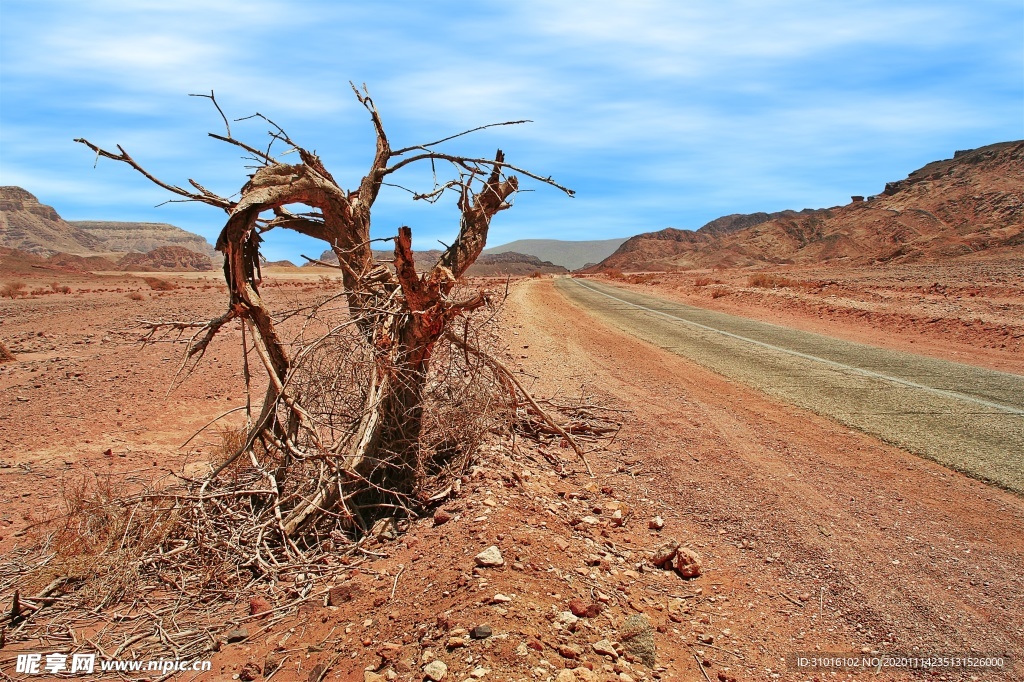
(832, 363)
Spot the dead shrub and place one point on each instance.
(718, 292)
(13, 289)
(136, 296)
(614, 273)
(157, 284)
(702, 281)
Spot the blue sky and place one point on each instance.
(657, 113)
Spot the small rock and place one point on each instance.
(489, 558)
(435, 670)
(583, 609)
(665, 552)
(249, 672)
(604, 648)
(456, 643)
(441, 517)
(370, 676)
(481, 632)
(500, 599)
(570, 651)
(535, 644)
(259, 605)
(626, 677)
(561, 544)
(657, 523)
(565, 675)
(688, 563)
(706, 639)
(237, 635)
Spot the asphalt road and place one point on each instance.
(967, 418)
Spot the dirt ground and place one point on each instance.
(813, 538)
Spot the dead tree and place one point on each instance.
(400, 313)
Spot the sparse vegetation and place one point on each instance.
(136, 296)
(13, 289)
(614, 273)
(60, 288)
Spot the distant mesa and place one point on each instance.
(487, 265)
(571, 255)
(143, 237)
(90, 245)
(166, 259)
(947, 209)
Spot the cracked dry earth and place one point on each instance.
(812, 538)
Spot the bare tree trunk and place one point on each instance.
(401, 314)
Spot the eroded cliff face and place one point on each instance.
(30, 226)
(35, 228)
(132, 237)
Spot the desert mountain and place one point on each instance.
(948, 208)
(569, 254)
(143, 237)
(29, 226)
(487, 265)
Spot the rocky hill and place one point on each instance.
(569, 254)
(30, 226)
(142, 237)
(166, 259)
(972, 202)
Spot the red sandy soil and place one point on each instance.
(813, 538)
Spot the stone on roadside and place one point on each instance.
(489, 558)
(657, 523)
(604, 648)
(584, 609)
(435, 670)
(688, 563)
(481, 632)
(441, 517)
(665, 552)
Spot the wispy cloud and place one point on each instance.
(658, 113)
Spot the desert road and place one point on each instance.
(966, 418)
